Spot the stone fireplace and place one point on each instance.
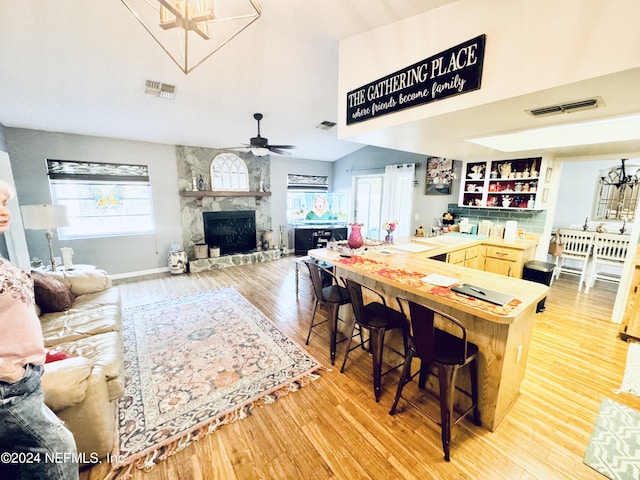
(231, 231)
(196, 162)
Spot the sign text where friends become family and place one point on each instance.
(452, 72)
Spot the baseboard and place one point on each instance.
(138, 273)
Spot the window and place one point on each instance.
(229, 172)
(102, 199)
(617, 194)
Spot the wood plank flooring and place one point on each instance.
(334, 429)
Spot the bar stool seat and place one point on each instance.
(331, 297)
(447, 353)
(376, 317)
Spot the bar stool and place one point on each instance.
(332, 297)
(448, 353)
(376, 317)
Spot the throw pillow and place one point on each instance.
(51, 294)
(55, 356)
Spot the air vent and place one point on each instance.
(581, 105)
(158, 89)
(326, 125)
(546, 110)
(568, 107)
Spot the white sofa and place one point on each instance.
(83, 390)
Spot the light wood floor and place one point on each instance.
(333, 429)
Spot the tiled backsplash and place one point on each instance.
(531, 220)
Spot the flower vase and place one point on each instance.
(355, 237)
(389, 238)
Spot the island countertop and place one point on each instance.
(501, 333)
(451, 242)
(419, 265)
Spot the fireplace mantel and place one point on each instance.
(200, 194)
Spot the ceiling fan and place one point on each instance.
(259, 145)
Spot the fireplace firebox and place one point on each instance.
(232, 231)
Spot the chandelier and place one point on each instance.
(618, 193)
(619, 176)
(190, 31)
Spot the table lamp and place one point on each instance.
(45, 217)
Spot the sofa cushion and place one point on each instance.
(74, 324)
(82, 281)
(105, 350)
(91, 314)
(51, 294)
(64, 382)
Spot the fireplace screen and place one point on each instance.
(232, 231)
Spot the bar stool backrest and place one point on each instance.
(423, 329)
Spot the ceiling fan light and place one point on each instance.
(260, 152)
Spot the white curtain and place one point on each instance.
(397, 197)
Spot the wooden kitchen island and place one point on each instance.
(501, 333)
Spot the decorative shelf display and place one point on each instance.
(511, 184)
(200, 194)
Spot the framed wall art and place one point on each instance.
(439, 176)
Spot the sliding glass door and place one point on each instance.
(368, 204)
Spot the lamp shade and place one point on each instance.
(44, 217)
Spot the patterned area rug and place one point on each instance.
(631, 379)
(195, 363)
(614, 448)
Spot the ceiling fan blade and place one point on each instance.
(275, 149)
(244, 147)
(282, 146)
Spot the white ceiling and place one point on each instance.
(79, 66)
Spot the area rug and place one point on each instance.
(195, 363)
(614, 448)
(631, 379)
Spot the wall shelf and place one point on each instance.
(505, 184)
(200, 194)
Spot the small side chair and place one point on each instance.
(377, 318)
(331, 297)
(447, 353)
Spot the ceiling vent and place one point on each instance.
(326, 125)
(158, 89)
(569, 107)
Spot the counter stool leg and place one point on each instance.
(297, 266)
(377, 343)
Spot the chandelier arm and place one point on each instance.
(222, 44)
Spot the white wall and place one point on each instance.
(578, 187)
(372, 160)
(28, 151)
(596, 37)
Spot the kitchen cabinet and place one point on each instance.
(467, 257)
(515, 184)
(631, 317)
(506, 261)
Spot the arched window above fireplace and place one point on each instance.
(229, 172)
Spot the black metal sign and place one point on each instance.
(452, 72)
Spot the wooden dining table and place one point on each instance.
(502, 333)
